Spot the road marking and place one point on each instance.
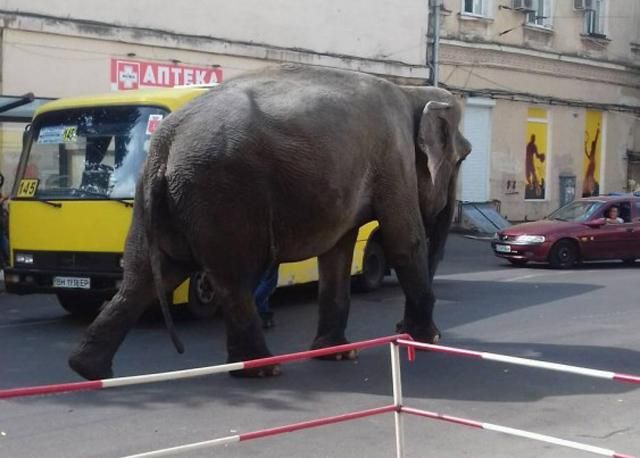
(472, 275)
(522, 277)
(31, 323)
(542, 274)
(500, 275)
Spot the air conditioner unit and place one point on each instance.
(584, 5)
(525, 6)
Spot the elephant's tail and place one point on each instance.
(155, 195)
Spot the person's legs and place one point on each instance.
(264, 290)
(4, 248)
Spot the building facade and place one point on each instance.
(551, 96)
(93, 47)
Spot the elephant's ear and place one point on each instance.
(435, 138)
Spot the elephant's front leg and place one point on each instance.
(334, 295)
(406, 248)
(437, 233)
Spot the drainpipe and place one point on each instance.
(436, 5)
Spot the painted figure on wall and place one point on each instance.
(592, 154)
(535, 164)
(535, 184)
(590, 186)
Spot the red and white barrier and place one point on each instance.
(191, 373)
(266, 432)
(514, 432)
(395, 342)
(626, 378)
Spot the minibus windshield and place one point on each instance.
(90, 153)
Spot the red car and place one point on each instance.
(580, 231)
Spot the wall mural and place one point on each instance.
(592, 154)
(535, 154)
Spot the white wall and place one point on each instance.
(51, 65)
(372, 29)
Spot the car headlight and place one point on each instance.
(530, 239)
(24, 258)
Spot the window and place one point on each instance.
(578, 210)
(624, 211)
(594, 19)
(476, 7)
(89, 153)
(542, 15)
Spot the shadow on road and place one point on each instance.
(432, 376)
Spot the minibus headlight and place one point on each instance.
(24, 258)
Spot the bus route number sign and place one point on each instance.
(27, 188)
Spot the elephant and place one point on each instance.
(280, 165)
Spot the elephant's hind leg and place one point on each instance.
(245, 338)
(93, 357)
(335, 296)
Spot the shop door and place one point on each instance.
(633, 171)
(475, 168)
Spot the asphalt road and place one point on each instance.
(587, 316)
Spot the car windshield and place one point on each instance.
(580, 210)
(90, 153)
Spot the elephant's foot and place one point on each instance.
(246, 354)
(422, 333)
(89, 367)
(258, 372)
(324, 342)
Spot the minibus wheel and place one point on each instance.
(81, 305)
(374, 268)
(202, 303)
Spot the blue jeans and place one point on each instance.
(266, 287)
(4, 247)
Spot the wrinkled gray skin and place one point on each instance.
(279, 166)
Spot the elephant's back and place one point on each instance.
(301, 142)
(289, 113)
(304, 98)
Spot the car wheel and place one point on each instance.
(564, 254)
(80, 305)
(374, 266)
(518, 262)
(202, 303)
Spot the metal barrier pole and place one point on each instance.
(397, 398)
(197, 372)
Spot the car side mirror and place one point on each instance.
(596, 223)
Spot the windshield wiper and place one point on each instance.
(559, 219)
(126, 203)
(48, 202)
(102, 195)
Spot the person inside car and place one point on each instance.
(612, 216)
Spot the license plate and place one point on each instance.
(72, 282)
(503, 248)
